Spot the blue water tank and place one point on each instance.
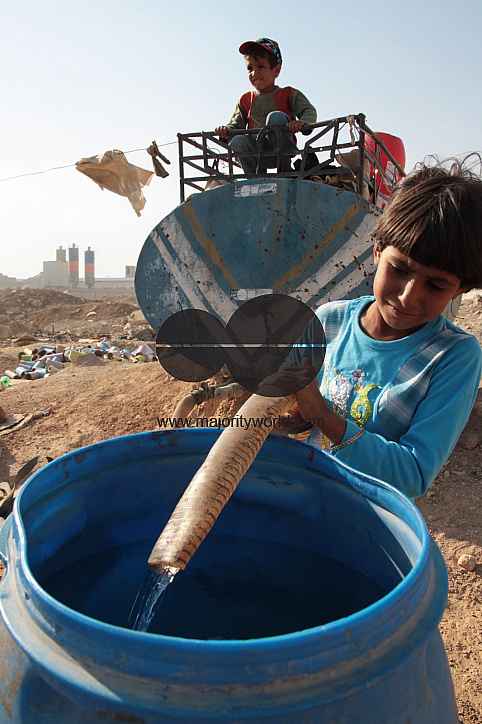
(221, 247)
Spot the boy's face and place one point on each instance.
(408, 294)
(261, 76)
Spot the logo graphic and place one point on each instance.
(265, 336)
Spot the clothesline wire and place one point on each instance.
(71, 165)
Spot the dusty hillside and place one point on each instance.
(88, 404)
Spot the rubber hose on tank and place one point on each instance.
(184, 407)
(234, 389)
(214, 483)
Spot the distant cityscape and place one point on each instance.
(63, 275)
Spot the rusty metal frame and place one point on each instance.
(206, 151)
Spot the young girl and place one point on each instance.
(399, 380)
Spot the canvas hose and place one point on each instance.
(215, 482)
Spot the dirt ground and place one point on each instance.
(87, 404)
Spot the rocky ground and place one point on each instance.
(86, 404)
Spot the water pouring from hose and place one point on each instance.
(215, 482)
(277, 328)
(202, 502)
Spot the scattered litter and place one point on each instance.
(9, 422)
(112, 171)
(17, 421)
(154, 152)
(20, 478)
(41, 413)
(47, 359)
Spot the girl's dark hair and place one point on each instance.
(258, 53)
(434, 216)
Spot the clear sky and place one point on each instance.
(80, 77)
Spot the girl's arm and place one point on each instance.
(412, 463)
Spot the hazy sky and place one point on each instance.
(80, 77)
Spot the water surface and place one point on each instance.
(233, 588)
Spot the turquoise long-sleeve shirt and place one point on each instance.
(412, 396)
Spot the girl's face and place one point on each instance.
(407, 295)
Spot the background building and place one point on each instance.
(63, 275)
(73, 267)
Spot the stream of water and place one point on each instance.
(149, 597)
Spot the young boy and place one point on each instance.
(399, 380)
(267, 105)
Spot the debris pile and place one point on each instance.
(45, 359)
(66, 318)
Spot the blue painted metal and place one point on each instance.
(223, 246)
(385, 663)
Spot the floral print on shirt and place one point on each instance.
(337, 387)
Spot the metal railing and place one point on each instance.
(203, 157)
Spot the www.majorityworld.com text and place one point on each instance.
(239, 421)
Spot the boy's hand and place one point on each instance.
(295, 126)
(222, 131)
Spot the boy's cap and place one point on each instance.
(270, 45)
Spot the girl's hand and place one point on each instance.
(311, 403)
(289, 380)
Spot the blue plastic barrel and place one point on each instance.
(364, 648)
